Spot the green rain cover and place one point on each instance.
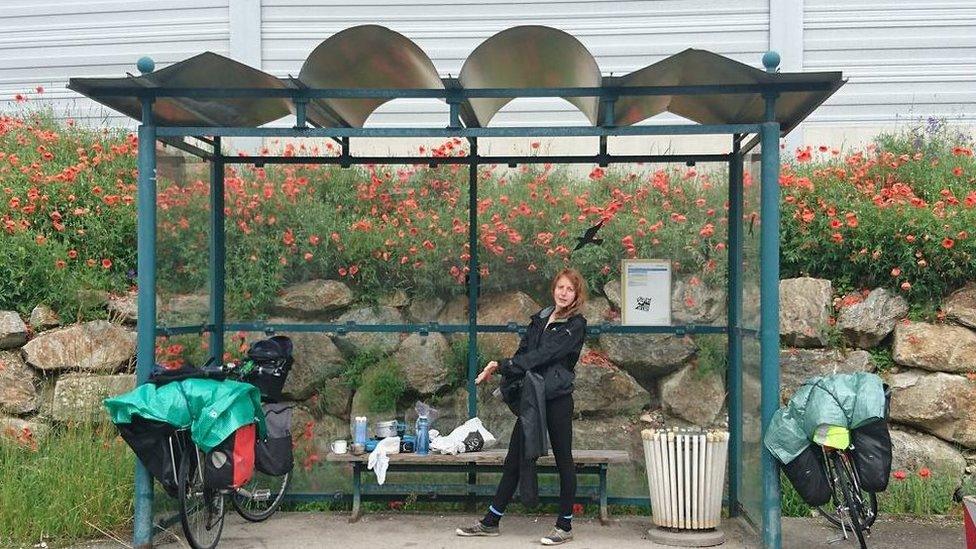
(211, 409)
(847, 400)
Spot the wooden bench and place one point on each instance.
(591, 462)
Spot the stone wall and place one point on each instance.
(51, 372)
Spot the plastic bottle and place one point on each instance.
(422, 446)
(359, 434)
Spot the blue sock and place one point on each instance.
(492, 516)
(564, 523)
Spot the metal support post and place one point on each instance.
(217, 253)
(474, 281)
(734, 319)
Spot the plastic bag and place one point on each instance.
(421, 409)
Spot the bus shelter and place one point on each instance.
(194, 104)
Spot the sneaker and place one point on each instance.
(557, 536)
(477, 530)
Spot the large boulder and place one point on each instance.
(78, 397)
(803, 311)
(23, 430)
(395, 298)
(798, 365)
(43, 317)
(937, 403)
(961, 306)
(424, 361)
(313, 298)
(692, 302)
(912, 450)
(612, 433)
(317, 359)
(332, 397)
(13, 331)
(866, 323)
(125, 307)
(596, 310)
(693, 395)
(612, 290)
(96, 346)
(353, 343)
(425, 310)
(504, 308)
(604, 389)
(500, 308)
(18, 391)
(648, 356)
(935, 347)
(185, 309)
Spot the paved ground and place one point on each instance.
(385, 531)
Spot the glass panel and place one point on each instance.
(751, 495)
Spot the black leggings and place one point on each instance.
(559, 420)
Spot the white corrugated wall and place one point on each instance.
(45, 43)
(904, 60)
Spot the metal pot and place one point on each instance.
(383, 429)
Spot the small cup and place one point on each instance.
(339, 446)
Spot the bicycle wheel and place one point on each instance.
(201, 509)
(854, 505)
(260, 498)
(868, 500)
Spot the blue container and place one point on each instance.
(422, 447)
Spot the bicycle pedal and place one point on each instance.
(262, 494)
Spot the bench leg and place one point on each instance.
(471, 503)
(357, 472)
(604, 512)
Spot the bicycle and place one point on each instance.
(202, 509)
(853, 507)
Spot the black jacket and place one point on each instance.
(542, 369)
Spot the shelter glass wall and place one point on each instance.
(751, 487)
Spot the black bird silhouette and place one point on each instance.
(587, 237)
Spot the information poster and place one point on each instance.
(646, 289)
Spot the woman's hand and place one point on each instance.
(485, 374)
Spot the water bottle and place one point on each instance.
(422, 446)
(359, 433)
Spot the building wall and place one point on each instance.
(904, 60)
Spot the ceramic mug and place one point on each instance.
(339, 446)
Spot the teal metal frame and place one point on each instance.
(768, 133)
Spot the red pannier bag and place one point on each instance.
(231, 463)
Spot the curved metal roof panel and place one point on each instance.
(206, 70)
(211, 90)
(701, 68)
(367, 56)
(530, 56)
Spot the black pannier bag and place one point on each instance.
(809, 476)
(273, 456)
(156, 448)
(872, 455)
(231, 463)
(274, 355)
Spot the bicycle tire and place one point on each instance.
(201, 510)
(871, 511)
(278, 495)
(854, 507)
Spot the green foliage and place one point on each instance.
(356, 365)
(383, 385)
(76, 483)
(712, 355)
(917, 494)
(882, 359)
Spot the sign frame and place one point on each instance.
(643, 278)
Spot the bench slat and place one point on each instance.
(486, 457)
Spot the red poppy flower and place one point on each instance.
(106, 263)
(899, 475)
(924, 472)
(957, 171)
(948, 243)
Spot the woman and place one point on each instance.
(545, 361)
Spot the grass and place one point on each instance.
(74, 484)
